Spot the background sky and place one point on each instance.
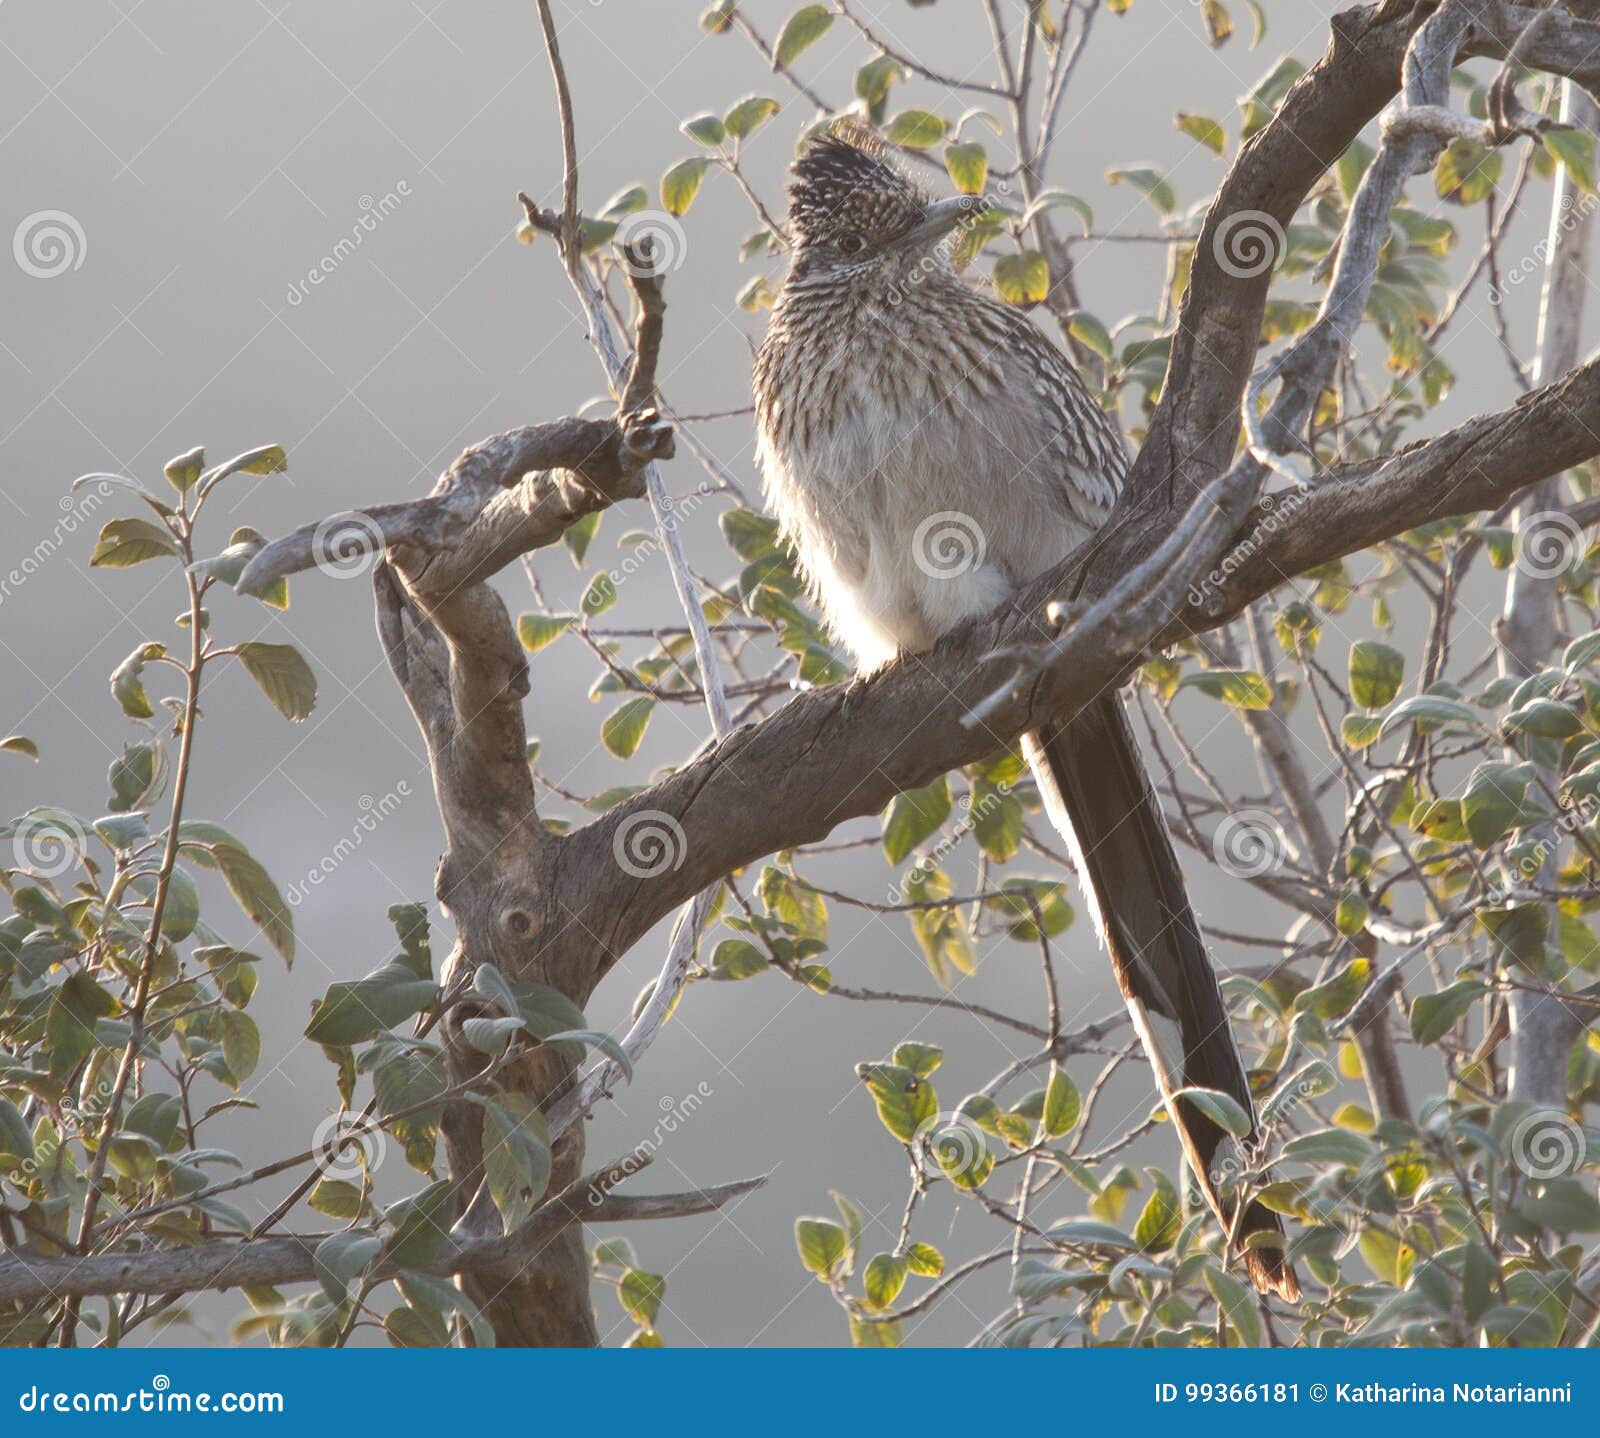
(197, 161)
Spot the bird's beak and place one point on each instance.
(938, 220)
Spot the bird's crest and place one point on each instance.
(847, 180)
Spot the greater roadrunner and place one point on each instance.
(928, 452)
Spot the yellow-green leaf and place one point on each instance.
(681, 183)
(800, 32)
(1022, 279)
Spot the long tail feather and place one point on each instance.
(1095, 789)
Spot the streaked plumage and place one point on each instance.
(897, 406)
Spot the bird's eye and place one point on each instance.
(852, 244)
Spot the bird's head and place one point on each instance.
(852, 209)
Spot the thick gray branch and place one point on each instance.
(289, 1259)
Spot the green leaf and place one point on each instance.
(1222, 1109)
(421, 1225)
(599, 596)
(1238, 688)
(624, 727)
(942, 932)
(1429, 712)
(75, 1009)
(641, 1295)
(127, 681)
(410, 1327)
(1087, 330)
(884, 1278)
(241, 1044)
(1149, 183)
(1358, 731)
(1219, 24)
(968, 164)
(925, 1260)
(1055, 199)
(1580, 654)
(745, 118)
(905, 1101)
(1376, 672)
(185, 469)
(596, 1038)
(353, 1012)
(1162, 1217)
(1022, 279)
(912, 817)
(16, 1140)
(1574, 149)
(1238, 1305)
(921, 1059)
(248, 881)
(705, 130)
(1493, 801)
(821, 1244)
(341, 1257)
(537, 630)
(1062, 1104)
(681, 184)
(1519, 932)
(1203, 128)
(916, 129)
(284, 676)
(125, 542)
(266, 459)
(1543, 719)
(737, 959)
(800, 32)
(1049, 895)
(516, 1156)
(996, 820)
(1330, 1146)
(1434, 1015)
(1467, 171)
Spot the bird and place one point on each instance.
(928, 451)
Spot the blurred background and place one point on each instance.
(195, 165)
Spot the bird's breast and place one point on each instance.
(917, 484)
